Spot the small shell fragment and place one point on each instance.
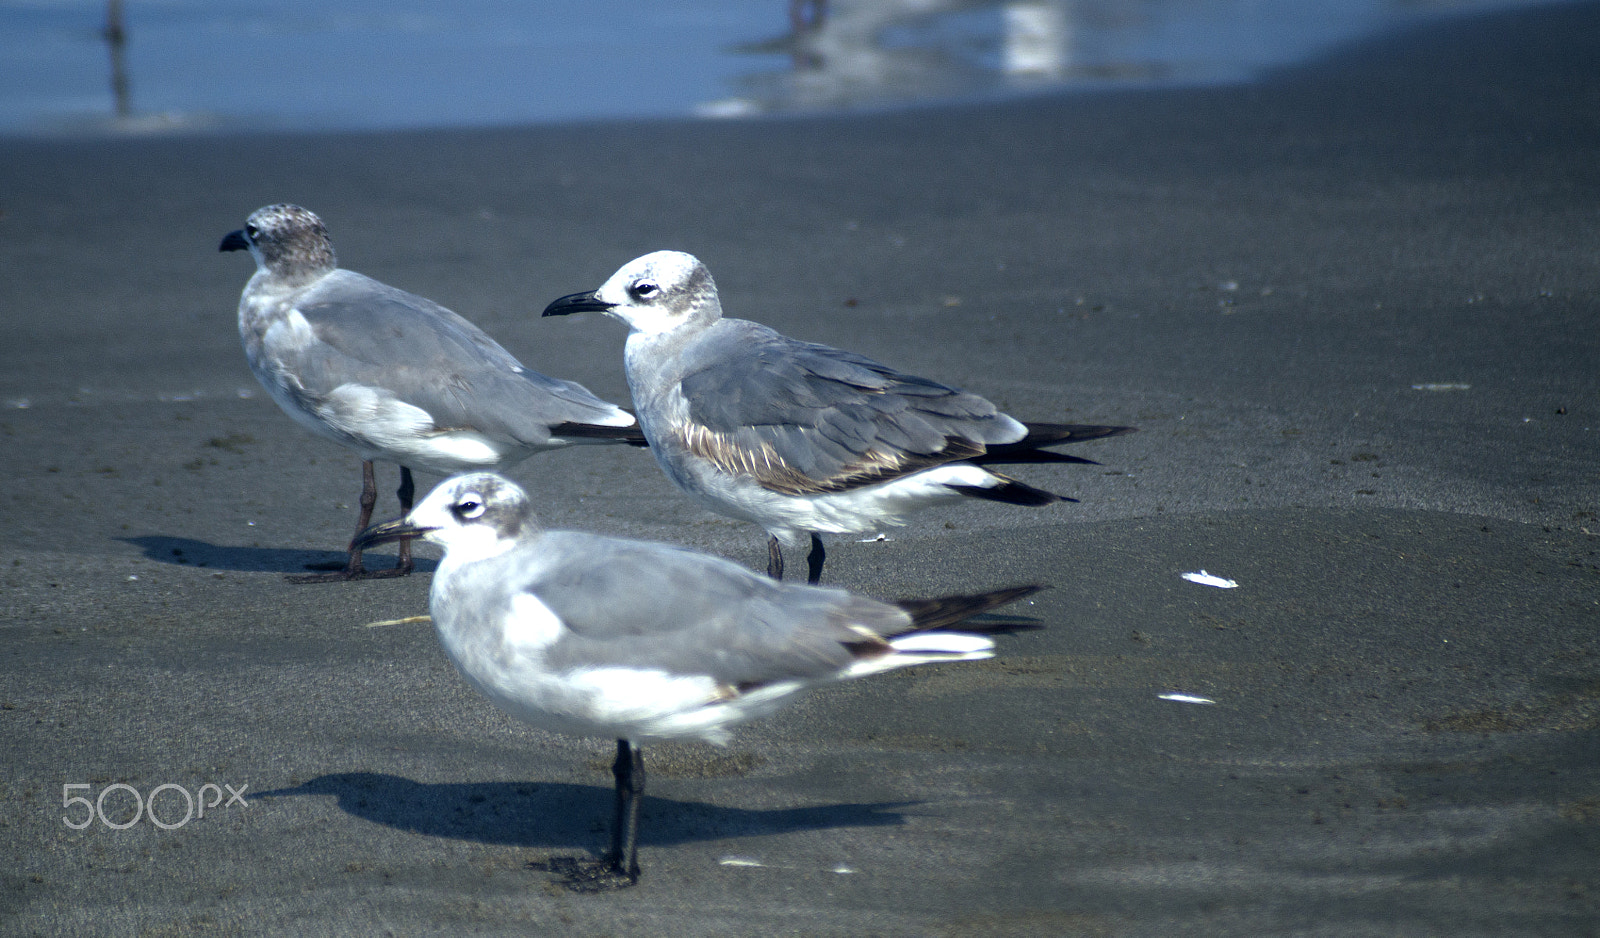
(752, 863)
(740, 861)
(1186, 698)
(1442, 386)
(1206, 579)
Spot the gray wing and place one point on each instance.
(637, 604)
(427, 356)
(806, 418)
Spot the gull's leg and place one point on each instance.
(407, 493)
(369, 498)
(629, 773)
(774, 559)
(621, 768)
(814, 560)
(353, 569)
(619, 868)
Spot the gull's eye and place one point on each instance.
(469, 507)
(250, 231)
(644, 289)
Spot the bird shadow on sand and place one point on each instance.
(184, 551)
(563, 816)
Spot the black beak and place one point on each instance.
(397, 530)
(578, 303)
(234, 241)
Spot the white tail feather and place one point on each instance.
(949, 643)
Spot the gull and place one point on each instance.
(801, 438)
(589, 635)
(392, 376)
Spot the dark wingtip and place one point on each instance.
(633, 436)
(1030, 449)
(1017, 457)
(1012, 492)
(1051, 434)
(944, 611)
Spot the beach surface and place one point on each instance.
(1352, 309)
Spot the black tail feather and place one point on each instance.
(1012, 492)
(1029, 448)
(1051, 434)
(1006, 455)
(930, 614)
(633, 436)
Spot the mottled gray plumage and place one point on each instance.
(373, 335)
(393, 376)
(837, 419)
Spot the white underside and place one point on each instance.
(377, 426)
(791, 518)
(386, 428)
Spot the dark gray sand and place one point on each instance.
(1406, 682)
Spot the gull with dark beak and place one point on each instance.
(392, 376)
(628, 640)
(800, 438)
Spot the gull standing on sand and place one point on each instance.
(800, 438)
(600, 636)
(392, 376)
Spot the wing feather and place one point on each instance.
(654, 606)
(425, 355)
(803, 418)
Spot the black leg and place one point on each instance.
(774, 559)
(619, 868)
(407, 493)
(628, 770)
(621, 769)
(814, 561)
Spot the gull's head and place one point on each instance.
(286, 240)
(471, 516)
(656, 293)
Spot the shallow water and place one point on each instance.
(363, 64)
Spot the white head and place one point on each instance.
(655, 293)
(472, 517)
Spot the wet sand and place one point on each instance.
(1351, 308)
